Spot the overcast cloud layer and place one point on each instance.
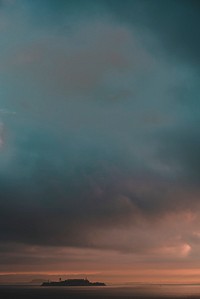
(99, 128)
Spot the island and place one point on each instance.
(73, 283)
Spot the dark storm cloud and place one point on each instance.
(70, 197)
(181, 148)
(98, 141)
(174, 23)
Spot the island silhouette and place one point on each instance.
(73, 282)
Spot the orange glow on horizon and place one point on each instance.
(174, 276)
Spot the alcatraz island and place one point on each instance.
(72, 283)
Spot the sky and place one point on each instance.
(99, 140)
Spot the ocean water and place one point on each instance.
(108, 292)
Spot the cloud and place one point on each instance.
(1, 135)
(103, 150)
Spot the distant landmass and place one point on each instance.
(72, 282)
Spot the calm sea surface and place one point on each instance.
(108, 292)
